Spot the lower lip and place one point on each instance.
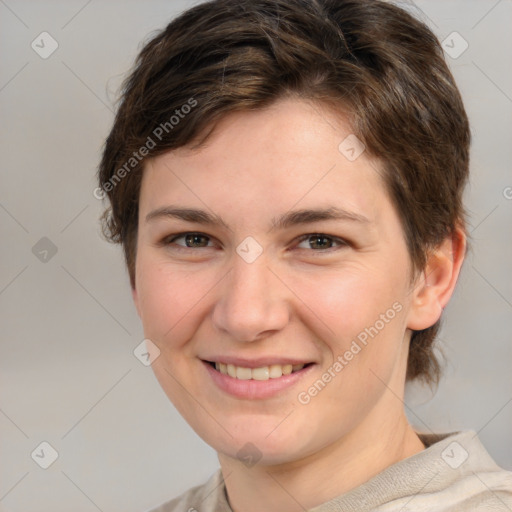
(255, 389)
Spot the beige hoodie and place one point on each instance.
(453, 474)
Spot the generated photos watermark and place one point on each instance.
(151, 142)
(360, 341)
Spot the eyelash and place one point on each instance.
(342, 243)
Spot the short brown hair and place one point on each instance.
(373, 59)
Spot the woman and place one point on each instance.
(286, 179)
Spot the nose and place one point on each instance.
(252, 302)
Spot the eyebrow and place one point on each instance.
(287, 220)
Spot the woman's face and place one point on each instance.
(294, 255)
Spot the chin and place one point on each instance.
(269, 444)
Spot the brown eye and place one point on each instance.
(192, 240)
(320, 242)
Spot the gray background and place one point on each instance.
(68, 327)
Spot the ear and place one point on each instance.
(434, 287)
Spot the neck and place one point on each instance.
(303, 484)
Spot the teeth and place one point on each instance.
(243, 373)
(273, 371)
(231, 370)
(260, 373)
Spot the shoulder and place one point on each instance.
(466, 478)
(454, 473)
(208, 497)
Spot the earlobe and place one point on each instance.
(436, 284)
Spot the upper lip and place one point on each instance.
(256, 362)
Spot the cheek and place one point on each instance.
(362, 312)
(350, 300)
(166, 300)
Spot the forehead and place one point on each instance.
(291, 153)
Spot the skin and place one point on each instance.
(296, 299)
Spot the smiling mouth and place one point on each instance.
(274, 371)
